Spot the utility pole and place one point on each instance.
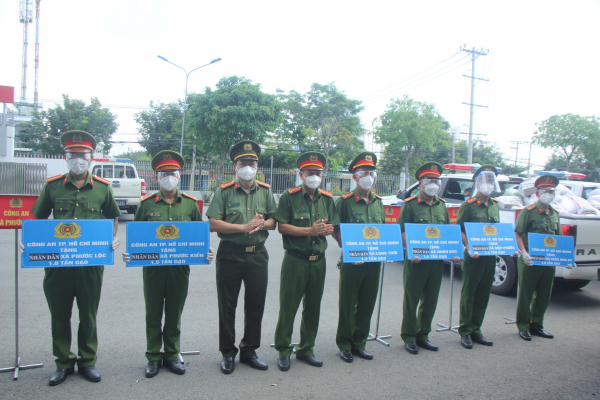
(37, 51)
(474, 54)
(517, 147)
(529, 160)
(193, 176)
(453, 147)
(25, 17)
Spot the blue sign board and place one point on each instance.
(67, 243)
(167, 243)
(371, 243)
(433, 242)
(551, 250)
(491, 239)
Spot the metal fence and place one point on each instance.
(206, 177)
(17, 178)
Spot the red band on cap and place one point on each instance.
(362, 163)
(84, 143)
(429, 172)
(547, 184)
(307, 163)
(167, 164)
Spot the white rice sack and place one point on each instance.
(527, 188)
(595, 192)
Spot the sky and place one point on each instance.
(543, 57)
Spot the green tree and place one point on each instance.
(160, 127)
(409, 128)
(571, 135)
(235, 111)
(139, 155)
(44, 130)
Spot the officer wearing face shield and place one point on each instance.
(306, 215)
(166, 287)
(477, 272)
(422, 279)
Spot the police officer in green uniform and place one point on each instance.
(75, 195)
(477, 272)
(422, 279)
(306, 216)
(359, 281)
(166, 286)
(241, 212)
(535, 281)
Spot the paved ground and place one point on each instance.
(567, 367)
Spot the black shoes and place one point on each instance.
(365, 355)
(411, 347)
(255, 362)
(310, 359)
(525, 335)
(426, 344)
(346, 355)
(283, 363)
(481, 340)
(60, 375)
(539, 331)
(152, 368)
(90, 373)
(466, 342)
(174, 366)
(227, 365)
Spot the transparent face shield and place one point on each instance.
(486, 184)
(70, 155)
(170, 172)
(366, 179)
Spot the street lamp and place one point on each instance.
(187, 75)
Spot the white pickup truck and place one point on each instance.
(126, 184)
(584, 228)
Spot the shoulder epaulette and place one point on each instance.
(147, 197)
(226, 185)
(263, 184)
(377, 196)
(347, 195)
(472, 200)
(496, 200)
(189, 196)
(531, 207)
(442, 200)
(410, 198)
(294, 189)
(325, 193)
(53, 178)
(105, 181)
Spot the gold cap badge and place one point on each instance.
(247, 146)
(313, 157)
(368, 158)
(167, 157)
(76, 139)
(434, 167)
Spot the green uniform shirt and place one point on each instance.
(536, 220)
(298, 209)
(155, 208)
(232, 204)
(417, 211)
(64, 200)
(475, 210)
(354, 209)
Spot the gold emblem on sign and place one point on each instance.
(247, 146)
(489, 169)
(77, 139)
(313, 157)
(167, 232)
(167, 157)
(368, 158)
(432, 232)
(370, 232)
(490, 230)
(389, 211)
(434, 167)
(67, 230)
(549, 241)
(16, 203)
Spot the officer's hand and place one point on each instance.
(21, 248)
(416, 259)
(319, 228)
(473, 255)
(358, 263)
(254, 224)
(210, 256)
(571, 266)
(457, 259)
(389, 262)
(516, 254)
(527, 258)
(327, 229)
(126, 257)
(115, 243)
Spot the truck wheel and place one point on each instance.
(131, 210)
(505, 280)
(571, 284)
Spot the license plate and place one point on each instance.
(121, 202)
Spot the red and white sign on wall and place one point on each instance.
(7, 94)
(14, 208)
(392, 214)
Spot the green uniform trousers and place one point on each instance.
(165, 289)
(300, 280)
(535, 289)
(61, 286)
(234, 267)
(422, 284)
(358, 292)
(478, 278)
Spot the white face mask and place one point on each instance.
(78, 165)
(431, 189)
(486, 189)
(546, 198)
(366, 182)
(247, 173)
(169, 183)
(312, 182)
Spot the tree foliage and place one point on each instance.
(44, 130)
(160, 127)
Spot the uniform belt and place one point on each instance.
(312, 257)
(247, 249)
